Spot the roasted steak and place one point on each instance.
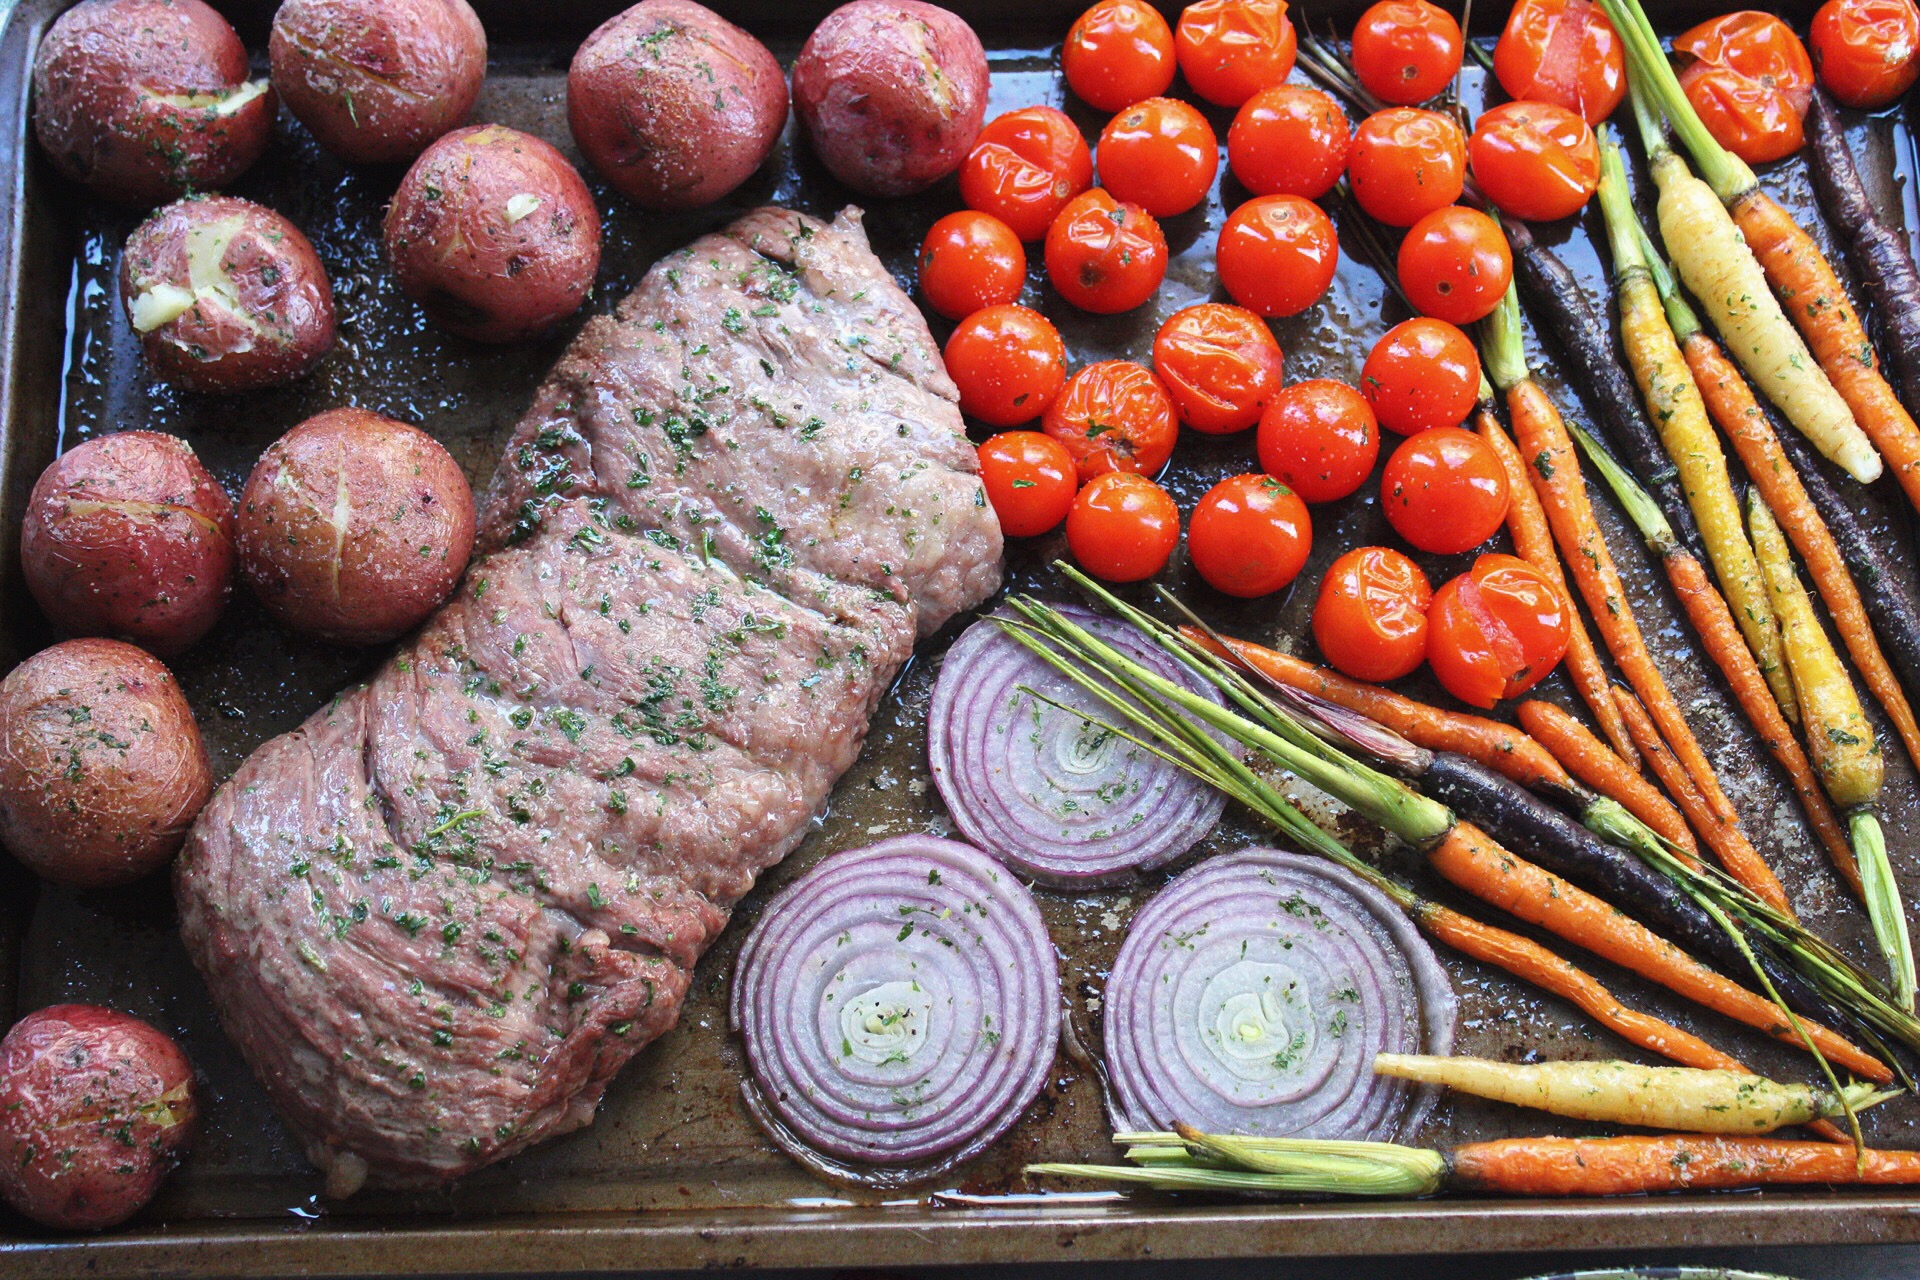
(440, 915)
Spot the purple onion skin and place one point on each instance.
(1051, 796)
(899, 1007)
(1251, 995)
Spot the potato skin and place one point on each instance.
(96, 1107)
(673, 104)
(405, 541)
(458, 249)
(102, 81)
(101, 764)
(261, 310)
(129, 536)
(375, 81)
(892, 94)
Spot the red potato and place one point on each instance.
(494, 234)
(96, 1107)
(375, 81)
(892, 94)
(354, 527)
(128, 535)
(226, 295)
(675, 105)
(101, 765)
(143, 100)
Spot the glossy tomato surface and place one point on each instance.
(1406, 51)
(1319, 438)
(1104, 255)
(1024, 168)
(1867, 52)
(1455, 265)
(1370, 619)
(1289, 140)
(1009, 364)
(1220, 363)
(1535, 161)
(1444, 491)
(969, 261)
(1232, 49)
(1030, 479)
(1118, 53)
(1405, 163)
(1423, 373)
(1565, 52)
(1277, 255)
(1750, 80)
(1159, 154)
(1123, 527)
(1496, 630)
(1114, 416)
(1249, 536)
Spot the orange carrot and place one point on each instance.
(1588, 759)
(1533, 541)
(1471, 860)
(1677, 1162)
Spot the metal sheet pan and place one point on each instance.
(672, 1174)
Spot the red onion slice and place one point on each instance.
(1052, 796)
(1251, 995)
(899, 1005)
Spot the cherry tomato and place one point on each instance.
(1249, 536)
(1118, 53)
(1024, 168)
(1123, 527)
(1105, 256)
(1030, 480)
(1564, 52)
(1277, 255)
(1406, 51)
(1370, 619)
(1535, 161)
(969, 261)
(1232, 49)
(1455, 264)
(1751, 82)
(1009, 364)
(1866, 49)
(1319, 438)
(1406, 163)
(1159, 154)
(1496, 630)
(1114, 416)
(1423, 373)
(1220, 364)
(1444, 491)
(1288, 140)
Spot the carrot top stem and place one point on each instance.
(1725, 172)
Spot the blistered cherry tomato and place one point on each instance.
(1319, 438)
(1105, 256)
(1159, 154)
(1220, 364)
(971, 260)
(1288, 140)
(1024, 168)
(1455, 265)
(1496, 630)
(1406, 163)
(1444, 491)
(1370, 619)
(1277, 255)
(1009, 364)
(1750, 81)
(1122, 527)
(1030, 480)
(1114, 416)
(1406, 51)
(1249, 536)
(1535, 161)
(1564, 52)
(1867, 51)
(1232, 49)
(1423, 373)
(1118, 53)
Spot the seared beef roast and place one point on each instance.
(440, 915)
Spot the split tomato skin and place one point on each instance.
(1423, 373)
(1496, 630)
(1370, 619)
(970, 261)
(1030, 479)
(1159, 154)
(1024, 167)
(1114, 415)
(1565, 52)
(1123, 527)
(1455, 265)
(1444, 491)
(1751, 81)
(1249, 536)
(1232, 49)
(1118, 53)
(1104, 255)
(1406, 51)
(1220, 364)
(1534, 160)
(1867, 52)
(1319, 438)
(1008, 363)
(1277, 254)
(1405, 163)
(1289, 140)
